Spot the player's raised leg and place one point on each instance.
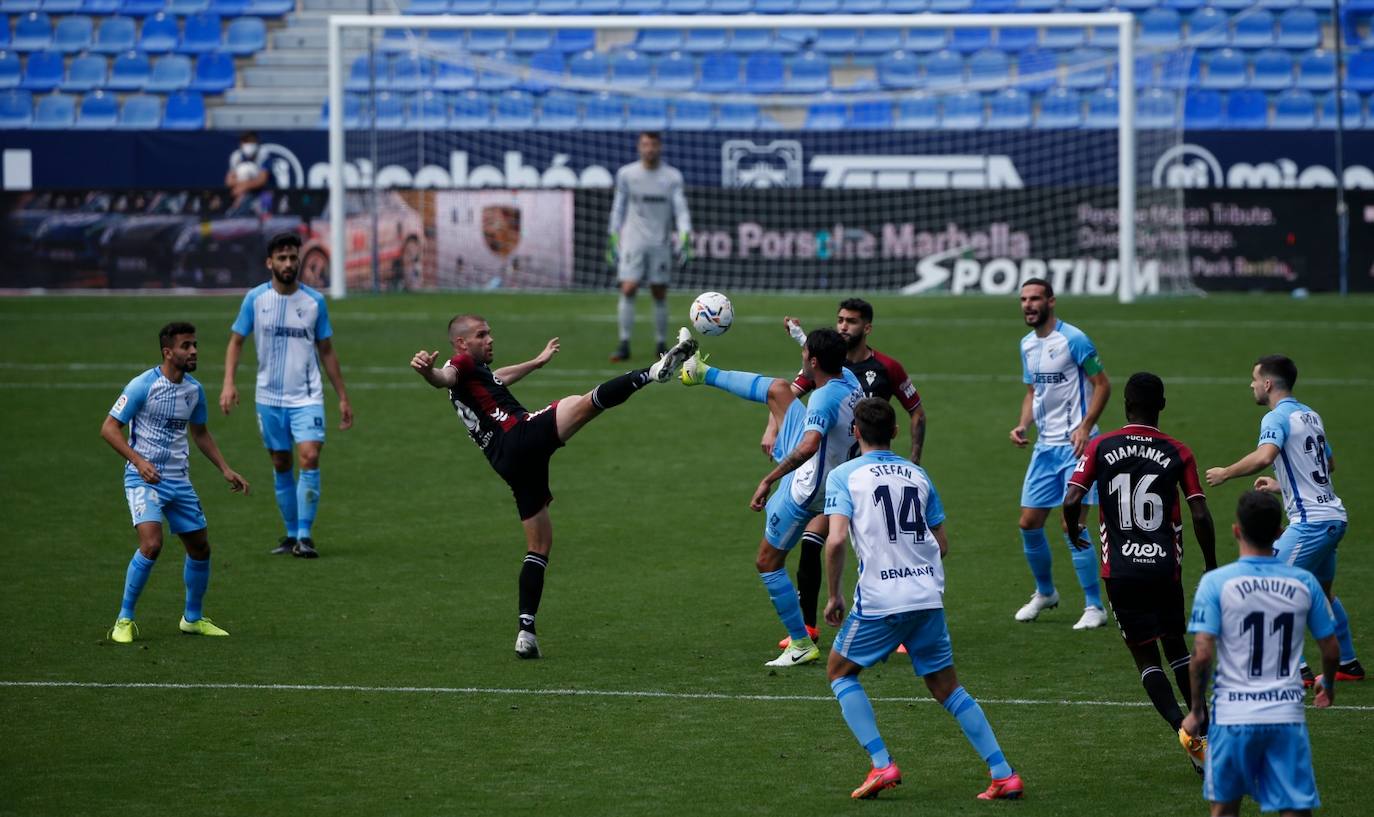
(574, 412)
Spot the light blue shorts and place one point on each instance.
(785, 520)
(790, 432)
(1047, 477)
(1311, 546)
(283, 427)
(176, 501)
(866, 641)
(1271, 762)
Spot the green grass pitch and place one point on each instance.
(652, 698)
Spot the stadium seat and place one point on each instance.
(1185, 5)
(140, 8)
(4, 31)
(185, 111)
(810, 74)
(32, 32)
(705, 40)
(72, 34)
(818, 6)
(555, 6)
(1104, 108)
(1036, 6)
(86, 73)
(1014, 40)
(16, 109)
(201, 34)
(1036, 70)
(944, 69)
(823, 116)
(214, 73)
(1157, 108)
(470, 7)
(115, 36)
(546, 69)
(1231, 5)
(922, 40)
(870, 115)
(389, 110)
(55, 112)
(419, 8)
(159, 34)
(719, 73)
(1225, 70)
(43, 72)
(950, 6)
(140, 112)
(1254, 30)
(1144, 73)
(487, 40)
(749, 40)
(1084, 5)
(503, 77)
(689, 115)
(60, 6)
(1160, 27)
(1104, 37)
(1180, 70)
(10, 70)
(187, 7)
(630, 70)
(962, 111)
(400, 40)
(763, 73)
(224, 8)
(427, 110)
(99, 110)
(604, 112)
(1351, 115)
(410, 73)
(658, 40)
(451, 77)
(905, 6)
(1295, 110)
(170, 73)
(1061, 38)
(969, 40)
(738, 116)
(676, 72)
(129, 73)
(245, 35)
(775, 6)
(919, 111)
(1359, 72)
(1273, 70)
(360, 75)
(646, 114)
(1009, 109)
(993, 6)
(837, 40)
(589, 67)
(1086, 68)
(1202, 110)
(728, 6)
(684, 6)
(441, 40)
(1209, 28)
(558, 111)
(1060, 108)
(597, 7)
(471, 110)
(874, 41)
(1299, 28)
(988, 69)
(1317, 71)
(1247, 110)
(899, 70)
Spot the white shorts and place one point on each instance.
(651, 264)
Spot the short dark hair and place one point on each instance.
(1279, 367)
(459, 324)
(1039, 282)
(1259, 515)
(248, 135)
(166, 336)
(875, 421)
(652, 134)
(864, 308)
(1144, 394)
(283, 240)
(828, 348)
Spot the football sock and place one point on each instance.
(660, 319)
(748, 385)
(285, 484)
(784, 598)
(976, 728)
(809, 575)
(858, 713)
(134, 578)
(618, 389)
(307, 500)
(1162, 696)
(531, 588)
(196, 574)
(1176, 653)
(1085, 565)
(625, 312)
(1037, 549)
(1343, 631)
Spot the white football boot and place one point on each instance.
(1093, 617)
(1038, 603)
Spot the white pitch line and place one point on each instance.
(558, 693)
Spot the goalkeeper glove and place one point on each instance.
(612, 249)
(683, 252)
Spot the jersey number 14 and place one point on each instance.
(904, 516)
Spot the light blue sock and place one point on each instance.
(285, 484)
(307, 500)
(134, 578)
(858, 713)
(784, 597)
(196, 574)
(748, 385)
(971, 719)
(1343, 631)
(1085, 564)
(1037, 549)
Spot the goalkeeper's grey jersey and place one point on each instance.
(648, 205)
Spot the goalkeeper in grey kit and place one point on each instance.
(650, 233)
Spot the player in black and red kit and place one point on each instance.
(519, 443)
(880, 376)
(1139, 471)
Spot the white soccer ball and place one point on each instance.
(712, 314)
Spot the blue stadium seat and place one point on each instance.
(245, 35)
(20, 5)
(1209, 28)
(546, 69)
(86, 73)
(140, 8)
(1009, 109)
(1317, 71)
(214, 73)
(449, 76)
(1157, 108)
(1299, 28)
(270, 8)
(1225, 70)
(61, 6)
(487, 40)
(574, 40)
(32, 32)
(923, 40)
(1202, 110)
(410, 73)
(818, 6)
(1086, 68)
(555, 6)
(899, 70)
(825, 116)
(1232, 5)
(187, 7)
(559, 111)
(675, 72)
(423, 8)
(810, 74)
(775, 6)
(159, 35)
(905, 6)
(441, 40)
(99, 110)
(1104, 36)
(1273, 70)
(1104, 107)
(962, 111)
(1160, 27)
(10, 71)
(684, 6)
(55, 112)
(658, 40)
(72, 34)
(748, 40)
(837, 40)
(1060, 108)
(1180, 70)
(471, 110)
(1254, 30)
(470, 7)
(630, 70)
(969, 40)
(589, 67)
(1295, 110)
(170, 73)
(1084, 5)
(1061, 38)
(115, 36)
(396, 40)
(185, 111)
(920, 111)
(1359, 72)
(1247, 110)
(689, 115)
(224, 8)
(719, 73)
(1144, 73)
(360, 75)
(427, 110)
(1017, 39)
(730, 6)
(950, 6)
(989, 69)
(43, 71)
(1185, 5)
(4, 31)
(598, 7)
(201, 34)
(140, 112)
(705, 40)
(944, 69)
(389, 110)
(16, 109)
(604, 112)
(500, 77)
(870, 115)
(1351, 114)
(129, 73)
(764, 73)
(646, 114)
(738, 116)
(1036, 6)
(1036, 70)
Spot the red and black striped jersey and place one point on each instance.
(880, 376)
(484, 404)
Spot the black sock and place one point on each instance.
(1162, 695)
(1176, 653)
(531, 588)
(809, 576)
(618, 389)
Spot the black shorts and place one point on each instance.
(522, 459)
(1147, 609)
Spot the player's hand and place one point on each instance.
(1192, 724)
(1216, 476)
(550, 349)
(1019, 438)
(1267, 484)
(228, 398)
(682, 254)
(834, 611)
(147, 472)
(760, 497)
(423, 362)
(770, 437)
(794, 329)
(1079, 438)
(345, 414)
(237, 484)
(1076, 539)
(612, 250)
(1324, 697)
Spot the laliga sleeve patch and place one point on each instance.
(120, 404)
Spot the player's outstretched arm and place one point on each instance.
(834, 568)
(205, 441)
(513, 373)
(1018, 434)
(1251, 463)
(805, 450)
(445, 377)
(112, 432)
(1205, 531)
(1199, 670)
(330, 360)
(229, 393)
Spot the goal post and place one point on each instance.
(1121, 47)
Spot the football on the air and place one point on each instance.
(712, 314)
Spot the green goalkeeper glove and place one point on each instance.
(612, 250)
(684, 250)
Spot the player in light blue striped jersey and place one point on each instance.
(160, 407)
(890, 509)
(1293, 440)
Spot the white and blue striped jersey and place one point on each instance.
(285, 329)
(1058, 366)
(830, 411)
(1303, 464)
(157, 412)
(1258, 609)
(891, 505)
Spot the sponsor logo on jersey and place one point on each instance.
(906, 572)
(289, 332)
(908, 390)
(1050, 377)
(1143, 550)
(173, 424)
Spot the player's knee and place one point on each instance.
(150, 549)
(780, 393)
(629, 289)
(281, 461)
(309, 460)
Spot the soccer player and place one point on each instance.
(519, 443)
(1293, 440)
(879, 376)
(1140, 470)
(1066, 391)
(890, 509)
(289, 322)
(1249, 618)
(159, 407)
(813, 439)
(650, 232)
